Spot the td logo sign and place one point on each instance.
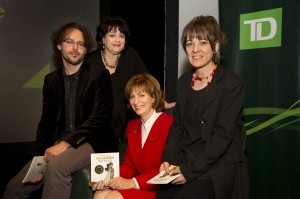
(261, 29)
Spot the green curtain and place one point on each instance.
(264, 48)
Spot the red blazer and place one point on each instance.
(143, 163)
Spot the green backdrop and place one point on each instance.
(264, 48)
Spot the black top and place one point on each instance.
(129, 65)
(70, 94)
(218, 145)
(192, 140)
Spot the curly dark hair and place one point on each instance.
(148, 84)
(59, 35)
(111, 23)
(205, 27)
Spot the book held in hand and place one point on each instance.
(104, 166)
(37, 167)
(163, 177)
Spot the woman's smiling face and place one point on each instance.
(141, 102)
(199, 52)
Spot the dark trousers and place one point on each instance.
(197, 189)
(57, 180)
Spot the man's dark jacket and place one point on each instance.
(93, 109)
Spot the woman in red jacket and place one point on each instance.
(146, 140)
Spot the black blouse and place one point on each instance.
(129, 64)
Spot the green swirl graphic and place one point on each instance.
(279, 115)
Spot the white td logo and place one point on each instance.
(256, 28)
(261, 29)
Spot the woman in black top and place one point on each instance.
(121, 60)
(206, 139)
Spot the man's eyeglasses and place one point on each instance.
(71, 42)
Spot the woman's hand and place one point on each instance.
(97, 185)
(181, 179)
(121, 183)
(164, 167)
(175, 170)
(169, 105)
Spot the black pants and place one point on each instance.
(197, 189)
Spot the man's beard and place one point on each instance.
(73, 62)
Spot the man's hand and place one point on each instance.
(53, 151)
(37, 179)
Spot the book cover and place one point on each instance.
(37, 167)
(104, 166)
(163, 177)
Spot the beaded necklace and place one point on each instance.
(195, 77)
(105, 62)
